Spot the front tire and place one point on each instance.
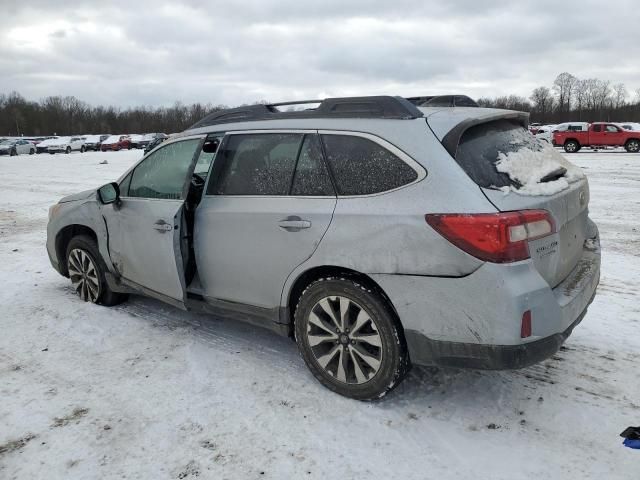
(632, 146)
(68, 150)
(13, 152)
(82, 149)
(32, 151)
(571, 146)
(87, 272)
(350, 339)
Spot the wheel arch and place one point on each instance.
(63, 238)
(309, 276)
(571, 139)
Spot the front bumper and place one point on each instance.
(475, 321)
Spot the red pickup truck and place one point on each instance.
(599, 134)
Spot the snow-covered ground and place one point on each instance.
(147, 391)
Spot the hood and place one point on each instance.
(6, 146)
(78, 196)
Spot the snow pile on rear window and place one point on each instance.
(526, 167)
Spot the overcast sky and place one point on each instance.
(140, 52)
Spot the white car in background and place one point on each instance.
(632, 126)
(573, 126)
(16, 146)
(545, 132)
(43, 146)
(66, 145)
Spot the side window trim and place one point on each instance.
(419, 169)
(295, 165)
(223, 140)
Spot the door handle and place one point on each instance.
(162, 226)
(294, 224)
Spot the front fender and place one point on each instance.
(87, 214)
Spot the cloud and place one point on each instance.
(154, 52)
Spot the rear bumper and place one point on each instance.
(475, 321)
(425, 351)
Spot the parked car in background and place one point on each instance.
(66, 145)
(632, 126)
(16, 147)
(533, 127)
(138, 140)
(545, 133)
(116, 142)
(43, 146)
(599, 134)
(373, 232)
(93, 142)
(572, 126)
(156, 140)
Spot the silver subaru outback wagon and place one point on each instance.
(378, 232)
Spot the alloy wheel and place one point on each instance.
(84, 275)
(344, 340)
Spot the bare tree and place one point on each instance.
(619, 95)
(564, 86)
(580, 94)
(542, 101)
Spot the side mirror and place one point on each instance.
(109, 193)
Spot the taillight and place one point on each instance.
(495, 237)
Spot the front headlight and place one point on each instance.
(53, 210)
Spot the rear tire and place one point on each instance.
(350, 339)
(82, 149)
(32, 151)
(632, 146)
(87, 272)
(571, 146)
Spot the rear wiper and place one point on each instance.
(554, 175)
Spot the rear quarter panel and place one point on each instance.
(387, 233)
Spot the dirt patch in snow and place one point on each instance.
(77, 414)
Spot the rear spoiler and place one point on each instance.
(452, 139)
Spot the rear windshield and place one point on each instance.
(480, 146)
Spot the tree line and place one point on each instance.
(567, 99)
(573, 99)
(69, 115)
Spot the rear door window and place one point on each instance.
(362, 167)
(256, 164)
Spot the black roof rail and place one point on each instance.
(443, 101)
(384, 107)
